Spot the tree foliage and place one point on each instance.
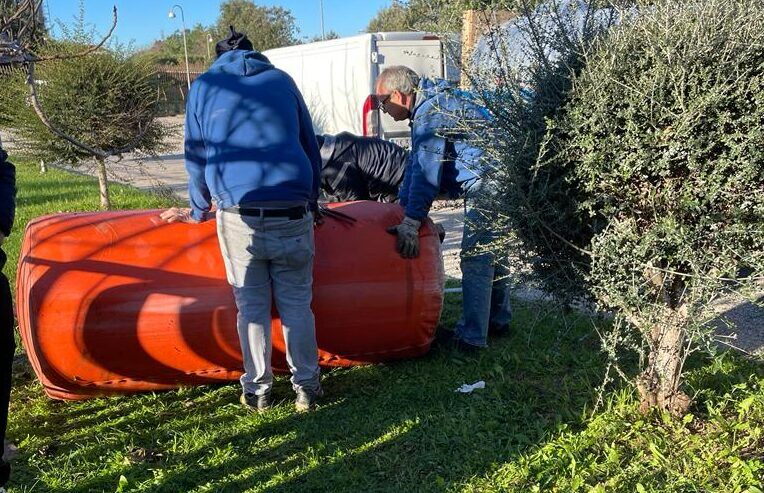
(432, 15)
(331, 34)
(105, 100)
(201, 47)
(23, 21)
(266, 27)
(634, 174)
(395, 17)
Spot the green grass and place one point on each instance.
(396, 427)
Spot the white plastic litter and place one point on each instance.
(467, 388)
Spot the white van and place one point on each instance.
(336, 78)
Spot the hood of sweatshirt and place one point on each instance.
(241, 62)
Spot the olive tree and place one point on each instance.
(629, 159)
(74, 99)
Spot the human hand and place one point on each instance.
(408, 237)
(178, 215)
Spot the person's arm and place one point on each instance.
(309, 144)
(196, 162)
(7, 195)
(403, 193)
(425, 167)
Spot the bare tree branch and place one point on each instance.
(13, 52)
(90, 50)
(19, 11)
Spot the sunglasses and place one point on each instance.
(382, 101)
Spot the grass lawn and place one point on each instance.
(396, 427)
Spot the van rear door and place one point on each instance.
(425, 57)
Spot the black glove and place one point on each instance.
(408, 237)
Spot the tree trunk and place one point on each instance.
(659, 385)
(103, 185)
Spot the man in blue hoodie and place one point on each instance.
(7, 342)
(444, 160)
(250, 147)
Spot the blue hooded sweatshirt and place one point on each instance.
(249, 136)
(442, 156)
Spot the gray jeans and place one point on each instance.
(265, 256)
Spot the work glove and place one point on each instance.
(408, 237)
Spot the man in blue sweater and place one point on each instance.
(7, 343)
(445, 161)
(250, 147)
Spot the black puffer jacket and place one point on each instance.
(360, 168)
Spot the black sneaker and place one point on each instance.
(306, 399)
(495, 330)
(255, 402)
(444, 337)
(448, 339)
(466, 347)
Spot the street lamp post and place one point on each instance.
(171, 15)
(323, 34)
(209, 40)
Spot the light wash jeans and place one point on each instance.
(485, 278)
(265, 256)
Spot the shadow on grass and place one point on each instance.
(395, 427)
(389, 427)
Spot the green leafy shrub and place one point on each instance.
(636, 177)
(104, 100)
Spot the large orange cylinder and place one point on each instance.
(113, 302)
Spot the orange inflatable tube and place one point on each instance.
(114, 302)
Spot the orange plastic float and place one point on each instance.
(115, 302)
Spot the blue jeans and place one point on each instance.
(485, 280)
(271, 258)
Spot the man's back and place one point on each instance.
(248, 131)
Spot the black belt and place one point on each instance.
(291, 213)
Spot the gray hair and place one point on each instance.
(399, 78)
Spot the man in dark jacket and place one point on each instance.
(360, 168)
(7, 344)
(250, 146)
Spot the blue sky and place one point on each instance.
(143, 21)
